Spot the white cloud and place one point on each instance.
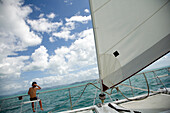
(8, 87)
(64, 34)
(82, 19)
(68, 2)
(57, 63)
(44, 25)
(68, 26)
(86, 11)
(11, 67)
(15, 35)
(49, 81)
(79, 55)
(37, 8)
(52, 39)
(40, 60)
(51, 15)
(12, 21)
(82, 51)
(91, 73)
(41, 15)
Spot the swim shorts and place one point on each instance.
(34, 98)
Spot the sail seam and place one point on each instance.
(101, 6)
(138, 26)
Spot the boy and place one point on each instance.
(32, 93)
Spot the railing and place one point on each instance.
(70, 99)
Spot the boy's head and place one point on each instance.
(33, 84)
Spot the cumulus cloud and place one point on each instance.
(86, 11)
(44, 25)
(13, 25)
(39, 60)
(77, 62)
(49, 81)
(52, 39)
(18, 32)
(68, 2)
(51, 15)
(12, 66)
(68, 26)
(91, 73)
(79, 55)
(64, 34)
(41, 15)
(82, 19)
(15, 35)
(9, 87)
(57, 63)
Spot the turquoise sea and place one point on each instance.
(59, 100)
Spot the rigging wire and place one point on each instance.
(136, 99)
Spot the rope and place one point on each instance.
(95, 97)
(131, 86)
(74, 95)
(81, 94)
(138, 88)
(159, 76)
(85, 89)
(160, 81)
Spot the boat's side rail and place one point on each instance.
(71, 96)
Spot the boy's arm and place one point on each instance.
(38, 86)
(29, 91)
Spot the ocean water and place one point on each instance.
(57, 101)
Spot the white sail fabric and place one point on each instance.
(129, 35)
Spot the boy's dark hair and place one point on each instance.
(33, 83)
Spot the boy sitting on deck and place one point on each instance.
(32, 93)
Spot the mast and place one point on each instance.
(96, 45)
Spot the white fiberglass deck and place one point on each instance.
(157, 103)
(153, 104)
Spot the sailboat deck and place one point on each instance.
(155, 103)
(152, 104)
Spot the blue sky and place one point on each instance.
(47, 41)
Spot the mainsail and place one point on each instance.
(129, 35)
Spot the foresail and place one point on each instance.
(129, 35)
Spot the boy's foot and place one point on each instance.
(33, 110)
(42, 109)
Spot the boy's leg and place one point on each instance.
(33, 107)
(41, 105)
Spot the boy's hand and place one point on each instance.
(38, 86)
(35, 85)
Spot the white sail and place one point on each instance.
(129, 35)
